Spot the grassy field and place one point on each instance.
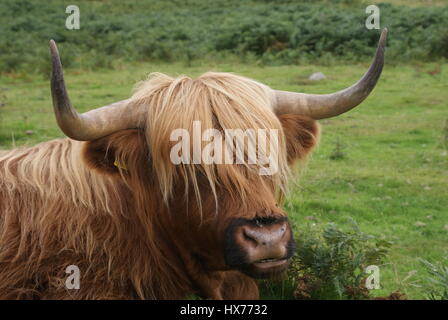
(391, 174)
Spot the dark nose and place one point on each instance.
(263, 236)
(263, 241)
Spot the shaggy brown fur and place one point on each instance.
(65, 203)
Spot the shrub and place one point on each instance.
(277, 32)
(437, 287)
(329, 264)
(338, 152)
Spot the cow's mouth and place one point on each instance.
(270, 263)
(265, 268)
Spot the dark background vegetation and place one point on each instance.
(272, 32)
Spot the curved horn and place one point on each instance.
(90, 125)
(320, 106)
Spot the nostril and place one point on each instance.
(256, 236)
(249, 237)
(266, 236)
(282, 231)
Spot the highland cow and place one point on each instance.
(109, 200)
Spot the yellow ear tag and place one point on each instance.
(119, 165)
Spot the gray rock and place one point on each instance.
(317, 76)
(420, 224)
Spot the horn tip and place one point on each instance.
(53, 48)
(383, 36)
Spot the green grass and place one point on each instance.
(394, 168)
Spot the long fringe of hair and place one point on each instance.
(220, 101)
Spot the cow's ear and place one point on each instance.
(120, 151)
(301, 133)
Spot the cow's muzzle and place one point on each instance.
(261, 247)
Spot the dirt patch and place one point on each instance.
(396, 295)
